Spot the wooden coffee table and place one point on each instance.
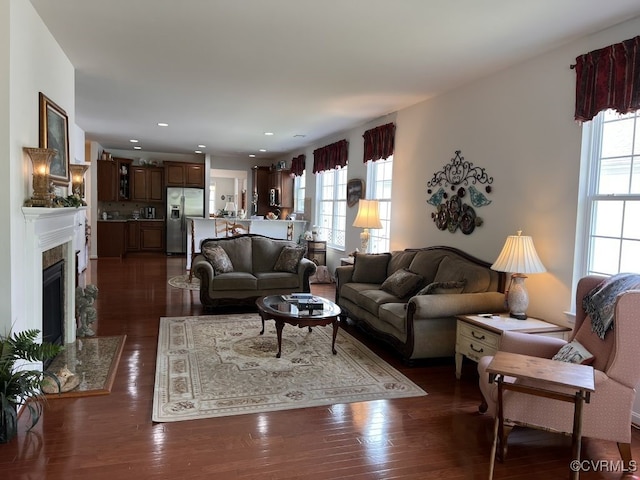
(274, 307)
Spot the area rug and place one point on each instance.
(182, 281)
(94, 360)
(214, 366)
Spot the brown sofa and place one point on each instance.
(410, 298)
(256, 270)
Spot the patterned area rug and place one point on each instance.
(214, 366)
(182, 281)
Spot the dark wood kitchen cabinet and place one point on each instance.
(111, 238)
(182, 174)
(272, 190)
(114, 180)
(147, 184)
(144, 236)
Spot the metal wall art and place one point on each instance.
(452, 211)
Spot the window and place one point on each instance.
(298, 195)
(332, 206)
(379, 175)
(612, 206)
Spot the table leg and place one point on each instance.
(335, 334)
(576, 440)
(458, 365)
(279, 327)
(492, 460)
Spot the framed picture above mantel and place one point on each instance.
(54, 133)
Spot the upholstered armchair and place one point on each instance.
(617, 372)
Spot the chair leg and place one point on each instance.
(625, 454)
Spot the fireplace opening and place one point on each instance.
(53, 304)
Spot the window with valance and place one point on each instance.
(379, 142)
(331, 156)
(608, 78)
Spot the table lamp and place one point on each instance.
(518, 256)
(368, 217)
(230, 208)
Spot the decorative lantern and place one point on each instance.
(41, 160)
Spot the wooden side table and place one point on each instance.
(480, 335)
(317, 251)
(549, 374)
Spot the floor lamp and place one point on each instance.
(518, 256)
(368, 217)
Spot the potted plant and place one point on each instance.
(21, 387)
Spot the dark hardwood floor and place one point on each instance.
(437, 436)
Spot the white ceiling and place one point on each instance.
(223, 72)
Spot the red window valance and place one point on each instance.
(331, 156)
(608, 78)
(379, 142)
(298, 165)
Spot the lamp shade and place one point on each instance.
(368, 214)
(230, 207)
(518, 256)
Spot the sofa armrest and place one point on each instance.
(532, 345)
(201, 266)
(344, 274)
(447, 305)
(306, 268)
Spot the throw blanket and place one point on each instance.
(600, 302)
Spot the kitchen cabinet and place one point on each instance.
(182, 174)
(114, 180)
(147, 184)
(260, 199)
(111, 237)
(272, 190)
(144, 236)
(281, 181)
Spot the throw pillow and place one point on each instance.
(218, 259)
(289, 259)
(402, 283)
(574, 352)
(443, 287)
(370, 267)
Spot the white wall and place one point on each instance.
(32, 62)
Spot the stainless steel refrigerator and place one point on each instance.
(181, 203)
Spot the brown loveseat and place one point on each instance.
(249, 266)
(410, 298)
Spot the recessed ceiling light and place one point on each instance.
(252, 155)
(268, 133)
(162, 124)
(202, 146)
(299, 135)
(137, 147)
(262, 150)
(197, 151)
(133, 140)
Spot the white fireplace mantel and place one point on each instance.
(46, 228)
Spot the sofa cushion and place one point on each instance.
(289, 259)
(426, 263)
(239, 251)
(443, 287)
(277, 280)
(218, 259)
(371, 300)
(234, 281)
(266, 251)
(399, 259)
(574, 352)
(454, 269)
(402, 283)
(370, 268)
